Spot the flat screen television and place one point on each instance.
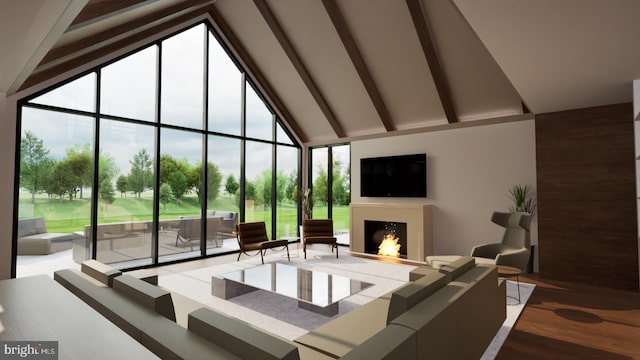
(394, 176)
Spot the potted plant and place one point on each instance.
(522, 200)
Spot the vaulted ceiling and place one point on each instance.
(337, 70)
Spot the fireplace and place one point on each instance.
(378, 232)
(418, 240)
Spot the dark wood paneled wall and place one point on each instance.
(587, 222)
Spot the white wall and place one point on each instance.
(7, 150)
(469, 173)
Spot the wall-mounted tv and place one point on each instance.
(394, 176)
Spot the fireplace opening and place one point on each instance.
(383, 237)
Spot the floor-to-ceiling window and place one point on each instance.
(330, 181)
(154, 157)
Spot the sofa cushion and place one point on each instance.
(176, 342)
(392, 342)
(99, 271)
(458, 267)
(421, 271)
(414, 292)
(338, 337)
(152, 297)
(239, 337)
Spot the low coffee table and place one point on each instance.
(315, 291)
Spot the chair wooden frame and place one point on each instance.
(318, 231)
(253, 237)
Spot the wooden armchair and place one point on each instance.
(318, 231)
(253, 237)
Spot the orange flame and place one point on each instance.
(389, 246)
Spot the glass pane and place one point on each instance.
(319, 178)
(259, 118)
(126, 179)
(79, 94)
(281, 135)
(287, 192)
(225, 91)
(341, 192)
(223, 188)
(183, 78)
(180, 190)
(128, 87)
(258, 183)
(56, 163)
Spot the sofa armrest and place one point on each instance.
(99, 271)
(150, 296)
(488, 251)
(414, 292)
(458, 267)
(517, 258)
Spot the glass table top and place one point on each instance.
(307, 285)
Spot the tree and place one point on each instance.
(291, 189)
(179, 185)
(107, 168)
(339, 186)
(32, 157)
(165, 195)
(122, 184)
(106, 192)
(263, 188)
(281, 183)
(168, 165)
(80, 165)
(231, 185)
(141, 175)
(214, 180)
(63, 180)
(320, 187)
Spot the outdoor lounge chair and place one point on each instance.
(189, 230)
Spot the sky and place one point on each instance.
(128, 89)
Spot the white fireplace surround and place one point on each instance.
(417, 217)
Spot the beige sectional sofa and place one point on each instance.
(146, 312)
(450, 313)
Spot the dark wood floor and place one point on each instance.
(572, 321)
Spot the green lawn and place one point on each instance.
(69, 216)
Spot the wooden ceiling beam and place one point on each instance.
(349, 43)
(295, 59)
(421, 23)
(257, 75)
(100, 9)
(65, 52)
(73, 62)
